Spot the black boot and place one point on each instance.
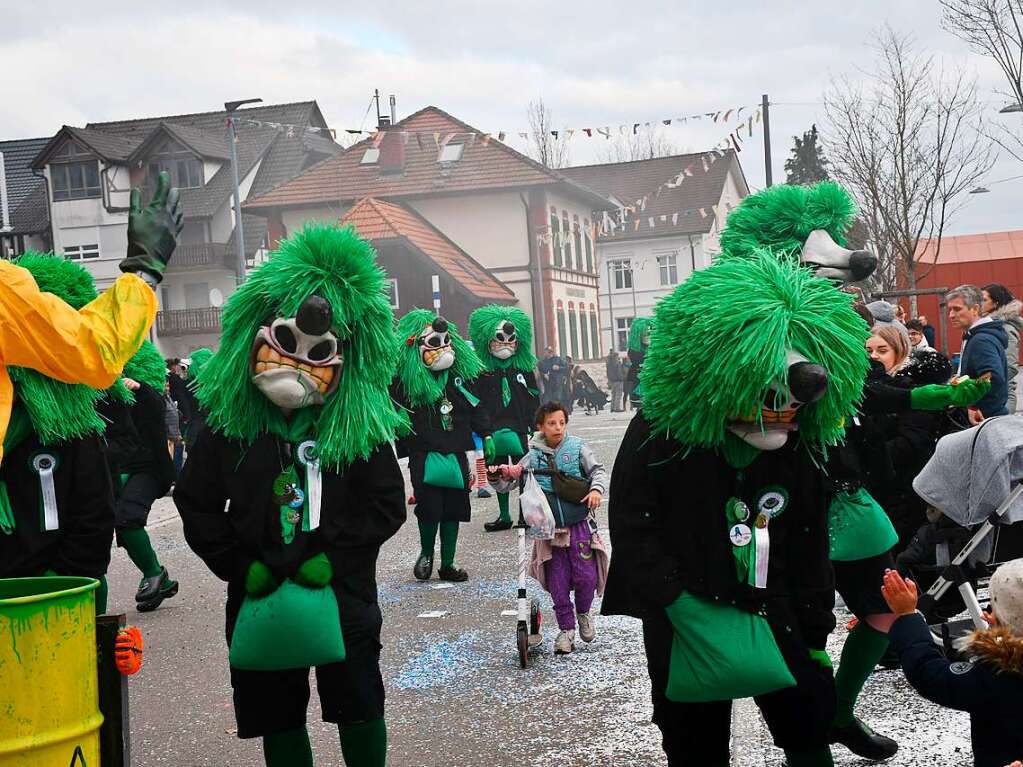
(497, 525)
(152, 591)
(424, 567)
(453, 574)
(863, 741)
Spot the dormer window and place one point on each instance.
(185, 169)
(451, 153)
(74, 173)
(370, 157)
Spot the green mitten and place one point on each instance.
(259, 581)
(822, 658)
(315, 572)
(50, 573)
(489, 450)
(940, 396)
(153, 230)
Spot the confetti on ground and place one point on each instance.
(433, 614)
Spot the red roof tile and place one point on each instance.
(483, 165)
(380, 220)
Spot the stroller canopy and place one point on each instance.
(973, 471)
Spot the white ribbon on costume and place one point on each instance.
(763, 539)
(44, 464)
(521, 379)
(313, 480)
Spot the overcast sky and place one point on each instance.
(594, 63)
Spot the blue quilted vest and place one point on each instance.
(567, 458)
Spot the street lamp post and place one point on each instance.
(239, 230)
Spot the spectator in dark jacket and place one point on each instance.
(990, 684)
(554, 376)
(1000, 304)
(983, 352)
(616, 380)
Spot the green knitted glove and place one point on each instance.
(822, 658)
(940, 396)
(153, 230)
(315, 573)
(259, 581)
(489, 450)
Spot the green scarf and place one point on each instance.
(296, 430)
(18, 429)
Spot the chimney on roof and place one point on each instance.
(392, 151)
(383, 122)
(394, 109)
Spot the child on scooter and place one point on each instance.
(575, 560)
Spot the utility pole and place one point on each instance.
(765, 107)
(239, 230)
(376, 98)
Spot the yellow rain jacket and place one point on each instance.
(89, 346)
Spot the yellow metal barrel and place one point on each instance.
(49, 701)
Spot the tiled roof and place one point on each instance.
(381, 220)
(110, 147)
(631, 181)
(202, 142)
(484, 165)
(26, 193)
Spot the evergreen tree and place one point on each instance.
(807, 165)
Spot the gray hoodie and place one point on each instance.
(1010, 315)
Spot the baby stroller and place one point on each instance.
(975, 481)
(588, 394)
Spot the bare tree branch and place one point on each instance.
(547, 145)
(908, 142)
(646, 143)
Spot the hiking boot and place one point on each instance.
(587, 630)
(483, 493)
(423, 568)
(152, 591)
(863, 741)
(453, 574)
(497, 525)
(563, 645)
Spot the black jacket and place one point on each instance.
(136, 436)
(989, 687)
(428, 434)
(636, 358)
(182, 395)
(520, 414)
(669, 532)
(225, 497)
(984, 352)
(85, 509)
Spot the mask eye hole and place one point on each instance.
(285, 338)
(433, 342)
(447, 340)
(324, 350)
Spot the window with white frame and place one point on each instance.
(370, 156)
(81, 252)
(621, 274)
(667, 264)
(392, 292)
(622, 325)
(74, 173)
(451, 152)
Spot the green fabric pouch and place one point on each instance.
(443, 470)
(720, 652)
(507, 442)
(858, 527)
(292, 627)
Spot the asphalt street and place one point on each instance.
(455, 692)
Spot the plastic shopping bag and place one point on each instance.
(536, 510)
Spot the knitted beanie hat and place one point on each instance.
(1007, 595)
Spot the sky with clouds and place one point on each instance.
(596, 63)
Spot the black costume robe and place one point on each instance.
(519, 414)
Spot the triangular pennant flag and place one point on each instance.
(636, 228)
(715, 209)
(664, 218)
(739, 113)
(703, 212)
(674, 219)
(419, 140)
(486, 139)
(706, 165)
(635, 128)
(588, 132)
(524, 135)
(727, 115)
(605, 132)
(666, 122)
(436, 138)
(555, 134)
(757, 115)
(717, 116)
(446, 139)
(689, 170)
(569, 132)
(650, 222)
(501, 135)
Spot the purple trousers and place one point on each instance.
(572, 568)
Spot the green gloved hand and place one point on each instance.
(50, 573)
(940, 396)
(489, 450)
(259, 581)
(153, 230)
(822, 658)
(315, 573)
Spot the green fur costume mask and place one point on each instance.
(333, 271)
(484, 325)
(147, 366)
(423, 386)
(59, 412)
(808, 223)
(640, 326)
(726, 336)
(197, 361)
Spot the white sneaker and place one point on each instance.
(563, 644)
(587, 630)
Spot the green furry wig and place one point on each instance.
(423, 387)
(782, 217)
(722, 339)
(59, 412)
(340, 267)
(196, 362)
(482, 323)
(639, 326)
